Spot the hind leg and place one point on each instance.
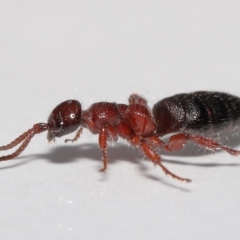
(178, 141)
(146, 147)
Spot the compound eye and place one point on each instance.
(72, 115)
(64, 119)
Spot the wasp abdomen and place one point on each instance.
(200, 112)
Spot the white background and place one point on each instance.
(92, 51)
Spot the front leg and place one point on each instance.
(77, 136)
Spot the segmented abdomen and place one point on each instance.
(200, 112)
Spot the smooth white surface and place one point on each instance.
(92, 51)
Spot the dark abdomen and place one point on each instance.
(198, 112)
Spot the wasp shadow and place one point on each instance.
(73, 153)
(119, 152)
